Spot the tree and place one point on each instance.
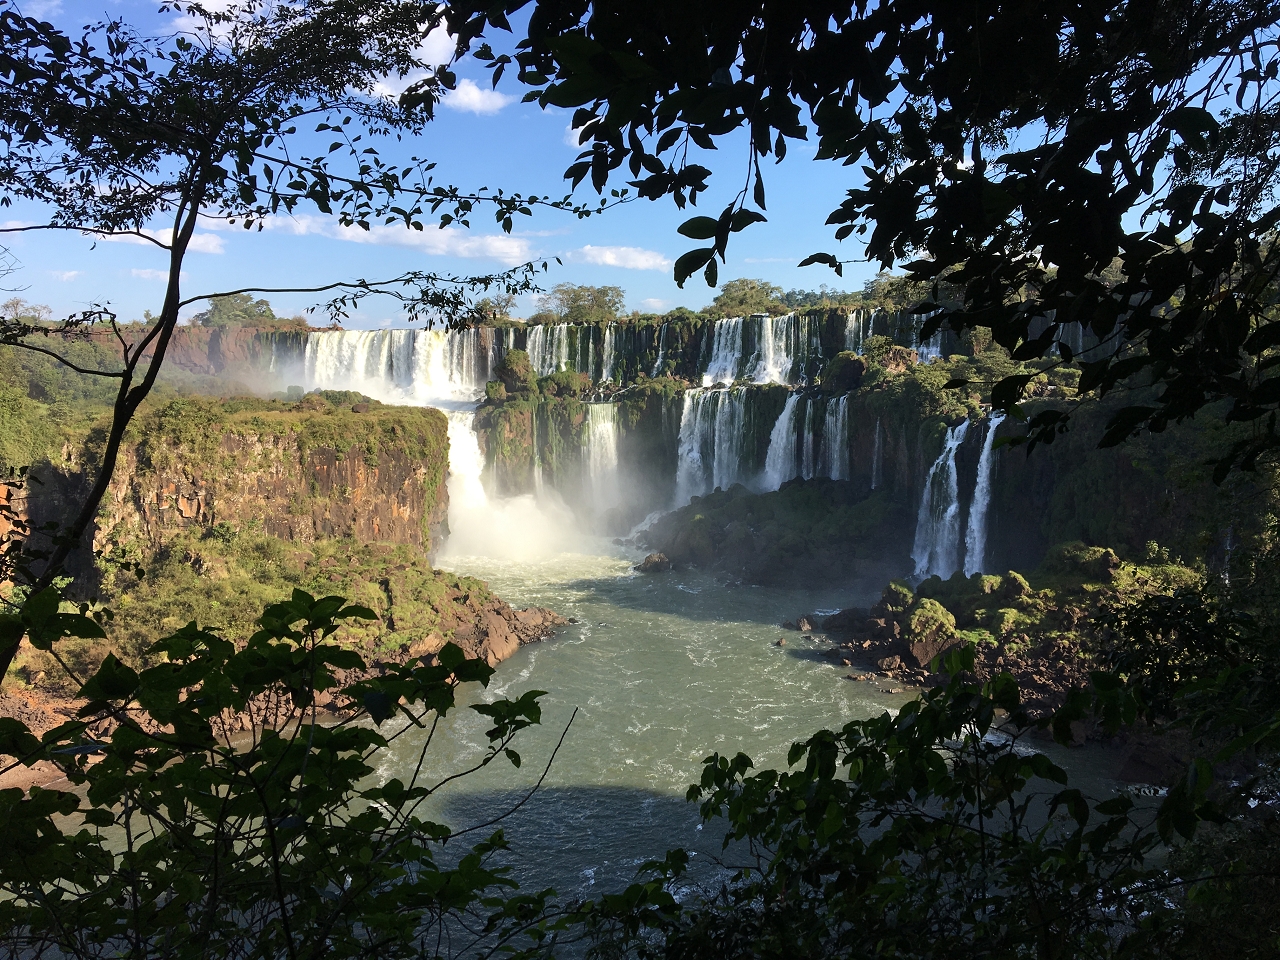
(741, 298)
(571, 303)
(1019, 150)
(192, 836)
(235, 310)
(251, 110)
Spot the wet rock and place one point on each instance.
(851, 620)
(889, 663)
(789, 625)
(805, 625)
(654, 563)
(782, 642)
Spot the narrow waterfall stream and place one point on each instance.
(975, 538)
(937, 544)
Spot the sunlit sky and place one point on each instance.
(482, 138)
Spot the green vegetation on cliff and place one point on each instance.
(222, 578)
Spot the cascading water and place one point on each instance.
(712, 428)
(431, 367)
(548, 347)
(835, 440)
(928, 350)
(780, 461)
(610, 352)
(662, 350)
(855, 330)
(600, 455)
(877, 458)
(784, 346)
(726, 353)
(446, 370)
(975, 540)
(936, 551)
(809, 442)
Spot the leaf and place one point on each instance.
(826, 258)
(113, 681)
(698, 228)
(955, 384)
(16, 740)
(744, 218)
(692, 261)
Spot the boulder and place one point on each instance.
(889, 663)
(846, 621)
(654, 563)
(805, 625)
(929, 629)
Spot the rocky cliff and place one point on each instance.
(300, 472)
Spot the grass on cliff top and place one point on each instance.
(223, 578)
(196, 426)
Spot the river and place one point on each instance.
(662, 669)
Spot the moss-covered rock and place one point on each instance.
(929, 629)
(843, 373)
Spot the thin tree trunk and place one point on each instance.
(128, 399)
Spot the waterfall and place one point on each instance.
(610, 351)
(600, 455)
(784, 347)
(448, 370)
(434, 367)
(927, 350)
(662, 350)
(726, 353)
(877, 459)
(548, 347)
(975, 539)
(712, 435)
(937, 543)
(780, 461)
(835, 440)
(855, 333)
(809, 444)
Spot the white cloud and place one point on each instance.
(41, 8)
(571, 135)
(150, 274)
(653, 304)
(438, 48)
(205, 243)
(449, 242)
(470, 98)
(65, 275)
(629, 258)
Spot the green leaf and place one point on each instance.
(698, 228)
(113, 681)
(692, 261)
(743, 219)
(17, 741)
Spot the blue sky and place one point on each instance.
(481, 138)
